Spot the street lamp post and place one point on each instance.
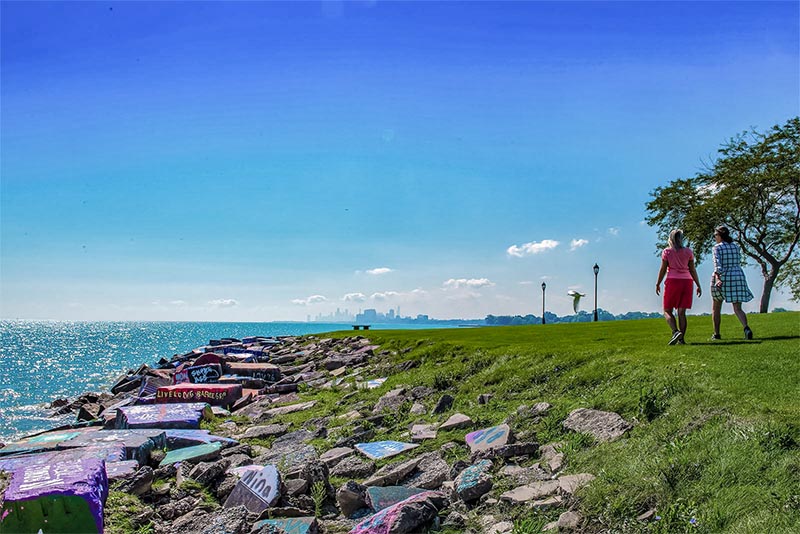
(596, 270)
(544, 286)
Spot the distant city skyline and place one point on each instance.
(266, 161)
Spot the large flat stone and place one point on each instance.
(66, 496)
(216, 394)
(488, 438)
(179, 438)
(603, 426)
(209, 373)
(377, 450)
(137, 443)
(334, 456)
(263, 371)
(569, 484)
(532, 491)
(291, 408)
(458, 420)
(178, 415)
(256, 490)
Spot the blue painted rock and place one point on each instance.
(198, 453)
(49, 441)
(380, 497)
(290, 525)
(57, 497)
(181, 415)
(256, 490)
(488, 438)
(474, 481)
(377, 450)
(216, 394)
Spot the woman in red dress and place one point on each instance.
(677, 263)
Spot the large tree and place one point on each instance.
(753, 187)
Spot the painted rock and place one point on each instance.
(290, 525)
(474, 481)
(488, 438)
(49, 441)
(384, 449)
(183, 415)
(121, 470)
(380, 497)
(409, 515)
(256, 490)
(198, 453)
(264, 371)
(66, 496)
(136, 444)
(208, 373)
(216, 394)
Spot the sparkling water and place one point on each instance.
(42, 361)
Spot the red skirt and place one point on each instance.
(678, 293)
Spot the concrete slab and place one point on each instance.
(264, 371)
(216, 394)
(63, 497)
(177, 415)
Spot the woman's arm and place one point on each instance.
(717, 253)
(661, 274)
(693, 272)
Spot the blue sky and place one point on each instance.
(212, 161)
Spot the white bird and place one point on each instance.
(576, 299)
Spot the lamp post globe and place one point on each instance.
(596, 270)
(544, 286)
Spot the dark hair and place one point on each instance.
(724, 233)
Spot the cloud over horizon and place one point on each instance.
(534, 247)
(313, 299)
(354, 297)
(223, 303)
(454, 283)
(379, 271)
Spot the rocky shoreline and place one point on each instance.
(218, 440)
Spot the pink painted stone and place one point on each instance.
(384, 521)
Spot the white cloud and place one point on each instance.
(454, 283)
(614, 230)
(527, 282)
(379, 270)
(545, 277)
(223, 303)
(419, 292)
(534, 247)
(354, 297)
(177, 303)
(313, 299)
(384, 295)
(575, 244)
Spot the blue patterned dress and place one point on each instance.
(727, 266)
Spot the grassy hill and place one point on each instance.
(716, 440)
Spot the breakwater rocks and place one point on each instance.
(230, 438)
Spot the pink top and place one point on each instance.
(678, 262)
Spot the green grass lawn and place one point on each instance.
(717, 424)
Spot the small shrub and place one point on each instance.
(318, 494)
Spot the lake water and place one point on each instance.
(45, 360)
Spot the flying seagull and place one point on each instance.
(576, 299)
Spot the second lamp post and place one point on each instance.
(596, 270)
(544, 286)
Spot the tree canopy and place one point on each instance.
(753, 187)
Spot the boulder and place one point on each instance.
(256, 490)
(391, 474)
(293, 525)
(569, 521)
(138, 484)
(334, 456)
(265, 431)
(380, 497)
(423, 432)
(507, 451)
(391, 401)
(444, 403)
(532, 491)
(569, 484)
(352, 498)
(551, 458)
(353, 467)
(456, 421)
(430, 473)
(227, 521)
(540, 408)
(417, 409)
(408, 516)
(178, 508)
(603, 426)
(206, 473)
(474, 481)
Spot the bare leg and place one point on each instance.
(716, 310)
(737, 309)
(682, 320)
(670, 320)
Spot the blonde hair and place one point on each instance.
(676, 238)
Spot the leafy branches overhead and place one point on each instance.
(753, 187)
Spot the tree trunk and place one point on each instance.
(769, 281)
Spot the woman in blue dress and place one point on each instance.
(728, 282)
